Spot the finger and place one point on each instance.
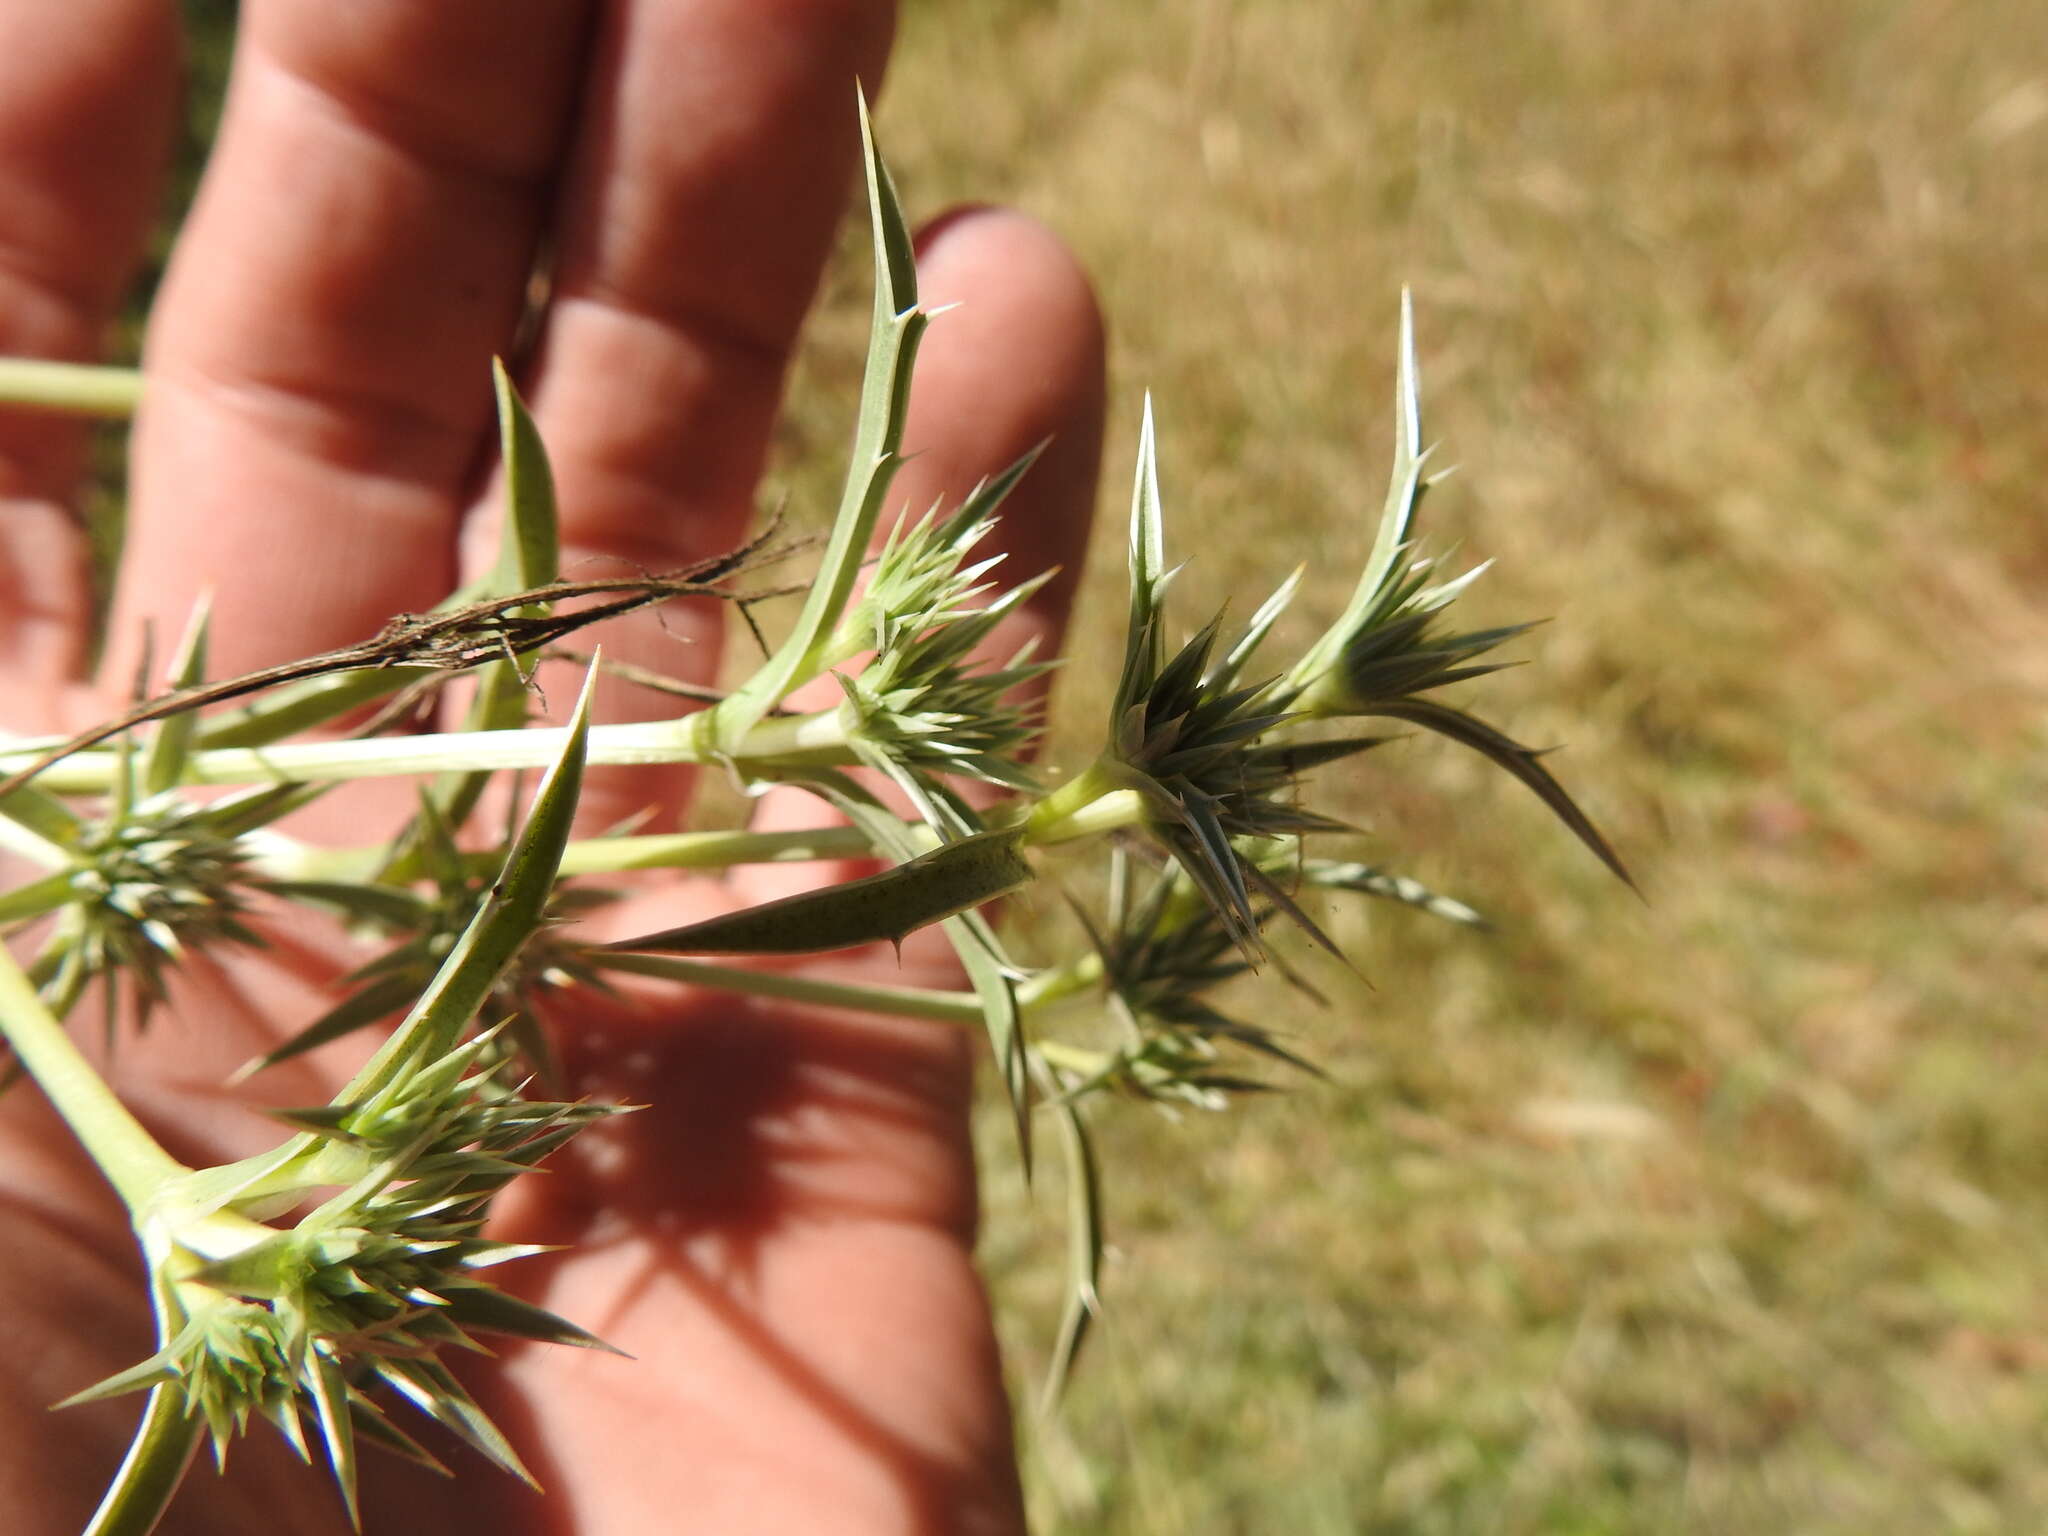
(87, 99)
(1017, 361)
(319, 357)
(702, 195)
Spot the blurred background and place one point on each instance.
(1721, 1211)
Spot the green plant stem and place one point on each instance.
(962, 1008)
(1074, 1058)
(806, 740)
(27, 843)
(1084, 807)
(798, 739)
(280, 858)
(37, 897)
(73, 389)
(894, 331)
(115, 1140)
(150, 1473)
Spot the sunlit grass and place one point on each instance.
(1719, 1213)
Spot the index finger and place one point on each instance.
(86, 98)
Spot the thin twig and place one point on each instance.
(491, 630)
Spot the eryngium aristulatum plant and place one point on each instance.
(273, 1301)
(1213, 761)
(1201, 793)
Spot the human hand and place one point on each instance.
(783, 1240)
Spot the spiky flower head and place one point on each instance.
(141, 885)
(1206, 753)
(927, 702)
(370, 1284)
(1161, 959)
(366, 1288)
(1390, 647)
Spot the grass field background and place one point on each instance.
(1721, 1211)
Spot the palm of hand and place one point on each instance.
(783, 1241)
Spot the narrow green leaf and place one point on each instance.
(379, 1000)
(371, 1424)
(988, 495)
(536, 1047)
(163, 764)
(1301, 756)
(1522, 762)
(383, 904)
(529, 548)
(247, 810)
(505, 920)
(36, 898)
(329, 1389)
(1404, 491)
(295, 708)
(929, 888)
(157, 1460)
(1144, 639)
(1374, 881)
(1256, 631)
(897, 327)
(1084, 1250)
(283, 1413)
(43, 814)
(324, 1120)
(429, 1387)
(490, 1310)
(529, 556)
(144, 1374)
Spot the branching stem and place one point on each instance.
(809, 740)
(152, 1470)
(71, 389)
(115, 1140)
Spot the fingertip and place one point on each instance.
(1017, 359)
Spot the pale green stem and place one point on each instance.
(31, 845)
(962, 1008)
(1101, 798)
(155, 1465)
(1075, 1058)
(72, 388)
(1108, 812)
(133, 1163)
(811, 739)
(819, 737)
(281, 858)
(1058, 985)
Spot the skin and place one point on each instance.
(783, 1242)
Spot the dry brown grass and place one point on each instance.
(1719, 1213)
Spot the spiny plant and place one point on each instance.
(316, 1283)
